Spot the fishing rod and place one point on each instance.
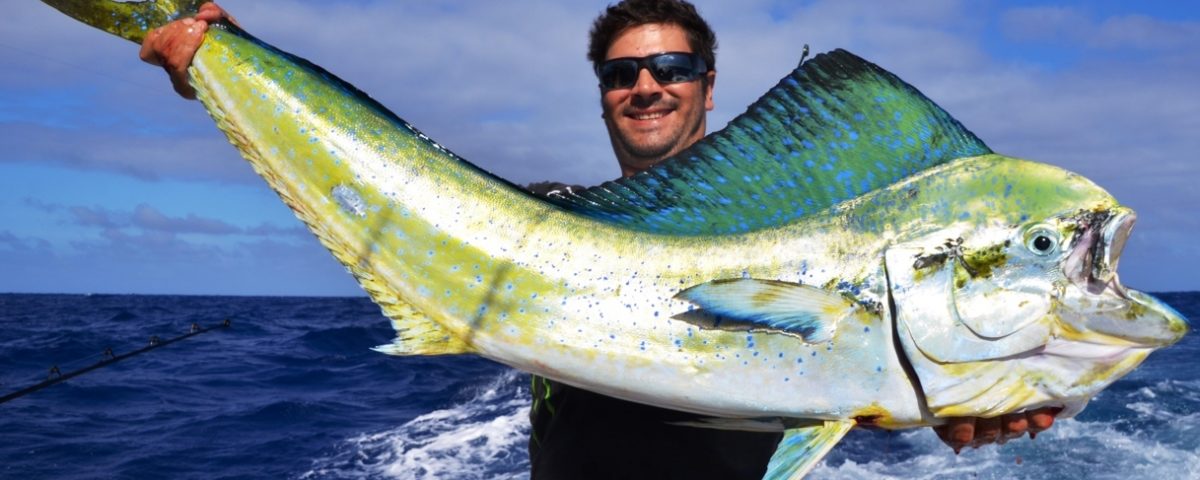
(56, 376)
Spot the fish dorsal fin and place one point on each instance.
(835, 128)
(802, 448)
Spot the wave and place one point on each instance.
(481, 437)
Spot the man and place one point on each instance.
(654, 106)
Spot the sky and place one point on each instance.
(109, 183)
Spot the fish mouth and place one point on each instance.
(1096, 251)
(1112, 313)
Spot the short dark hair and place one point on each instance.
(632, 13)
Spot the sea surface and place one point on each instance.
(292, 390)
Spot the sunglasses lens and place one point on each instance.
(619, 73)
(666, 68)
(672, 68)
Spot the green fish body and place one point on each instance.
(844, 252)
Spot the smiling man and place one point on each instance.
(649, 120)
(655, 64)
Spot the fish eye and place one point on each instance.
(1042, 240)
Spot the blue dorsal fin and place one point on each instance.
(835, 128)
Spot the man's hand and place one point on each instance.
(173, 45)
(976, 432)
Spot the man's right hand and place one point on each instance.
(173, 45)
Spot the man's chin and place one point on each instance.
(650, 150)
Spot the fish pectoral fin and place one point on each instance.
(767, 305)
(802, 448)
(417, 334)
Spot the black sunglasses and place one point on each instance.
(666, 68)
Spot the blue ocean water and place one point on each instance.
(292, 390)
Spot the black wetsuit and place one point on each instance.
(581, 435)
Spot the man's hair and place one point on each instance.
(632, 13)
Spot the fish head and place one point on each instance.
(1010, 300)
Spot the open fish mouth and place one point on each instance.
(1096, 250)
(1106, 308)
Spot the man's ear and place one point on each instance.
(710, 80)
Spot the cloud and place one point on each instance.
(97, 217)
(15, 243)
(158, 262)
(270, 230)
(156, 225)
(1075, 25)
(148, 218)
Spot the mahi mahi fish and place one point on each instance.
(843, 252)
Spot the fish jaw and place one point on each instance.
(1097, 307)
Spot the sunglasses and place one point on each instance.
(666, 68)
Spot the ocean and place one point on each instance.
(292, 390)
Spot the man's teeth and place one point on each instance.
(648, 116)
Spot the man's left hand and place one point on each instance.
(976, 432)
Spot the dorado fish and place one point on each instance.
(844, 252)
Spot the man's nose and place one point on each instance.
(646, 87)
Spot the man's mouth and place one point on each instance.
(648, 116)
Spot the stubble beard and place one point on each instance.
(650, 148)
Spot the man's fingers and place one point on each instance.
(957, 432)
(1041, 419)
(211, 12)
(976, 432)
(1015, 425)
(148, 54)
(175, 45)
(987, 430)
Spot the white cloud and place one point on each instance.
(1077, 26)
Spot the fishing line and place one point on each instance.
(52, 60)
(57, 376)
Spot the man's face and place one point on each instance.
(649, 122)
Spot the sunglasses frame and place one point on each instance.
(699, 68)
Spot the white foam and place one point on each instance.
(484, 437)
(1071, 449)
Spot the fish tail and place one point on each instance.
(128, 20)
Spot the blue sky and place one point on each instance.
(109, 183)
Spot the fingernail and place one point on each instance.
(1033, 435)
(188, 21)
